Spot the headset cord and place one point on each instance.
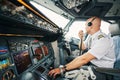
(80, 53)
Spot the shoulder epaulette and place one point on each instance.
(100, 36)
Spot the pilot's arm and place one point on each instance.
(81, 46)
(76, 63)
(80, 61)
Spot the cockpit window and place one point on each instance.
(80, 25)
(62, 22)
(54, 17)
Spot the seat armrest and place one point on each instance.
(110, 71)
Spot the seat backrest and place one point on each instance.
(114, 29)
(115, 33)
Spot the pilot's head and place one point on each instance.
(93, 25)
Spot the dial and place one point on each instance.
(8, 75)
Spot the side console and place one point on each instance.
(22, 56)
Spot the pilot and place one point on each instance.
(100, 49)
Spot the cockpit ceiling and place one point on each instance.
(50, 4)
(102, 8)
(115, 10)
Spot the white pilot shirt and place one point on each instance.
(102, 48)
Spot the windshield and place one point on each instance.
(62, 22)
(80, 25)
(54, 17)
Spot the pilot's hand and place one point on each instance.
(54, 72)
(80, 34)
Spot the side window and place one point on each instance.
(74, 29)
(80, 25)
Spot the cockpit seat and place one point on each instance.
(115, 35)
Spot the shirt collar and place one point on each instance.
(95, 34)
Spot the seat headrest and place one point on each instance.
(114, 29)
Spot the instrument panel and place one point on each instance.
(21, 53)
(20, 56)
(24, 15)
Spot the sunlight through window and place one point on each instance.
(80, 25)
(56, 18)
(62, 22)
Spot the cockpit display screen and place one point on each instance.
(40, 69)
(45, 48)
(3, 49)
(38, 53)
(22, 61)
